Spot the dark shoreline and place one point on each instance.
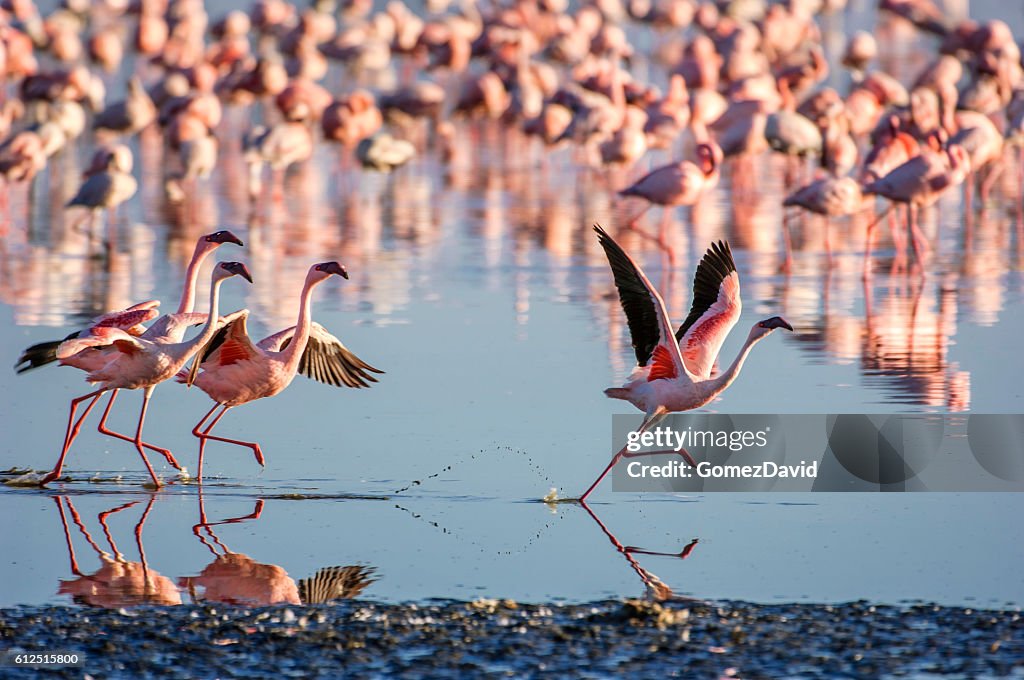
(467, 639)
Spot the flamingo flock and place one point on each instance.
(730, 96)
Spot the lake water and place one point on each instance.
(479, 288)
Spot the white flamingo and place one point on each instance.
(236, 371)
(674, 370)
(139, 363)
(168, 328)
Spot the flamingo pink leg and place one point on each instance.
(102, 427)
(920, 241)
(206, 435)
(138, 435)
(869, 238)
(73, 429)
(649, 422)
(787, 241)
(196, 431)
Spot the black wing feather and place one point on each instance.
(714, 267)
(636, 300)
(335, 583)
(333, 364)
(40, 354)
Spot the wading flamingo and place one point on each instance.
(168, 328)
(236, 371)
(678, 184)
(139, 363)
(829, 197)
(918, 183)
(674, 370)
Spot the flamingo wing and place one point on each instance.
(335, 583)
(128, 317)
(174, 324)
(715, 310)
(230, 344)
(95, 191)
(326, 359)
(99, 337)
(646, 315)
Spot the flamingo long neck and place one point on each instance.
(719, 384)
(211, 327)
(293, 352)
(188, 295)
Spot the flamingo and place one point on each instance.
(236, 371)
(829, 197)
(139, 363)
(918, 183)
(681, 183)
(674, 370)
(168, 328)
(108, 183)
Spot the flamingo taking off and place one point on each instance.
(139, 363)
(674, 370)
(236, 371)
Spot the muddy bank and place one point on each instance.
(454, 639)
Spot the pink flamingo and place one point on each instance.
(139, 363)
(918, 183)
(168, 328)
(674, 371)
(676, 184)
(829, 197)
(236, 371)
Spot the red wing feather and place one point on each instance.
(662, 365)
(232, 351)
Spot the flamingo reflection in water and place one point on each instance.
(234, 578)
(118, 582)
(657, 589)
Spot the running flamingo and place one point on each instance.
(236, 371)
(138, 363)
(168, 328)
(674, 371)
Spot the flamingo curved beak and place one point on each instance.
(333, 268)
(238, 269)
(224, 236)
(776, 322)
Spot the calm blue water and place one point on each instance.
(482, 293)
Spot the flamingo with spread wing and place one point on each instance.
(674, 370)
(235, 371)
(137, 363)
(169, 328)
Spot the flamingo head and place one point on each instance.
(709, 157)
(225, 270)
(765, 327)
(218, 237)
(319, 272)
